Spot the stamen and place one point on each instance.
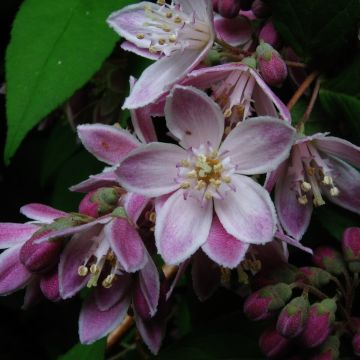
(152, 217)
(226, 179)
(94, 269)
(305, 186)
(140, 36)
(318, 201)
(184, 163)
(227, 113)
(334, 191)
(192, 174)
(161, 2)
(327, 180)
(83, 270)
(162, 41)
(185, 185)
(169, 15)
(178, 20)
(302, 200)
(201, 184)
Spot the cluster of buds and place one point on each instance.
(317, 317)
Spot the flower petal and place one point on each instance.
(347, 180)
(259, 145)
(236, 31)
(107, 143)
(180, 272)
(248, 213)
(94, 324)
(293, 216)
(182, 226)
(341, 148)
(12, 234)
(288, 240)
(222, 247)
(134, 205)
(13, 274)
(41, 212)
(49, 285)
(201, 8)
(193, 117)
(104, 179)
(126, 244)
(33, 293)
(206, 276)
(151, 170)
(144, 52)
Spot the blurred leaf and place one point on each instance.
(317, 29)
(56, 46)
(95, 351)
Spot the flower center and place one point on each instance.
(312, 175)
(169, 29)
(205, 173)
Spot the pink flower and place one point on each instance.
(206, 172)
(180, 35)
(318, 166)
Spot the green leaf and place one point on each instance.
(95, 351)
(317, 29)
(55, 47)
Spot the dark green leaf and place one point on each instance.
(56, 46)
(94, 351)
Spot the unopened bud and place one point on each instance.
(228, 8)
(351, 248)
(318, 324)
(99, 202)
(329, 349)
(215, 5)
(260, 9)
(271, 66)
(49, 285)
(40, 258)
(356, 344)
(291, 320)
(250, 62)
(272, 344)
(329, 259)
(260, 304)
(269, 35)
(313, 276)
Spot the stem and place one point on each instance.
(302, 88)
(295, 64)
(338, 284)
(311, 289)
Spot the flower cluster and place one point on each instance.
(198, 197)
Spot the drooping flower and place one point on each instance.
(204, 172)
(318, 165)
(180, 34)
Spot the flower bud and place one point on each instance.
(356, 344)
(313, 276)
(260, 304)
(272, 344)
(351, 248)
(215, 5)
(269, 35)
(49, 285)
(329, 350)
(260, 9)
(228, 8)
(272, 67)
(40, 258)
(99, 202)
(320, 318)
(329, 259)
(291, 320)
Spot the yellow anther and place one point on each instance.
(226, 179)
(302, 200)
(215, 182)
(152, 217)
(140, 36)
(227, 113)
(166, 28)
(256, 265)
(185, 185)
(152, 49)
(94, 269)
(305, 186)
(227, 130)
(107, 282)
(192, 174)
(162, 41)
(201, 184)
(161, 2)
(218, 167)
(83, 270)
(169, 15)
(310, 171)
(318, 201)
(327, 180)
(245, 264)
(184, 163)
(243, 277)
(334, 191)
(172, 38)
(208, 196)
(178, 20)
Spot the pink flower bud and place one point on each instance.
(272, 67)
(215, 4)
(49, 285)
(40, 258)
(260, 304)
(269, 35)
(313, 276)
(260, 9)
(318, 324)
(272, 344)
(228, 8)
(329, 350)
(329, 259)
(351, 248)
(99, 202)
(356, 344)
(291, 320)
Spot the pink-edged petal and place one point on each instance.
(13, 274)
(144, 52)
(12, 234)
(151, 170)
(33, 293)
(273, 176)
(107, 143)
(248, 213)
(347, 180)
(49, 285)
(106, 298)
(104, 179)
(341, 148)
(262, 103)
(296, 243)
(293, 216)
(222, 247)
(206, 276)
(259, 145)
(159, 77)
(182, 226)
(94, 324)
(41, 212)
(152, 332)
(126, 243)
(235, 31)
(134, 205)
(193, 117)
(201, 8)
(181, 271)
(74, 255)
